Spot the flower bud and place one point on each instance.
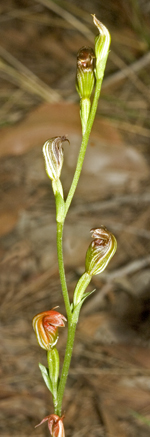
(55, 425)
(53, 154)
(100, 251)
(102, 43)
(46, 325)
(85, 72)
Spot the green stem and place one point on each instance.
(84, 143)
(66, 365)
(55, 403)
(62, 270)
(72, 326)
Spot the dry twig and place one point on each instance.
(22, 76)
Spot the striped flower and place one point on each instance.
(55, 425)
(53, 154)
(46, 325)
(100, 251)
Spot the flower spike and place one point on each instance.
(55, 425)
(100, 251)
(46, 325)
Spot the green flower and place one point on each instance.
(100, 251)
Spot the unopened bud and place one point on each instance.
(53, 154)
(100, 251)
(102, 43)
(85, 72)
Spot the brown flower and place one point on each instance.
(85, 72)
(55, 425)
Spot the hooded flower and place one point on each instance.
(46, 325)
(85, 72)
(55, 425)
(100, 251)
(53, 154)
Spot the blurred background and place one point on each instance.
(108, 390)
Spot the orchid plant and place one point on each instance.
(90, 72)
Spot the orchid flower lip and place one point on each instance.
(85, 58)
